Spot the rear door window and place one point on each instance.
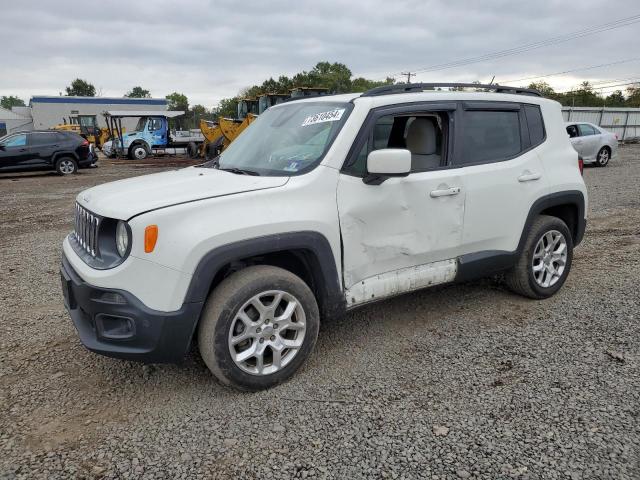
(586, 130)
(37, 139)
(489, 136)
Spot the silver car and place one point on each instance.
(594, 144)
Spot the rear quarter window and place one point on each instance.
(535, 123)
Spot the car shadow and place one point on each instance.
(19, 175)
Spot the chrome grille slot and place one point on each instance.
(86, 230)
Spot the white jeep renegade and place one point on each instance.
(320, 206)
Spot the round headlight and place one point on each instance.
(122, 238)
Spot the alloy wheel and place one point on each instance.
(603, 157)
(549, 258)
(267, 332)
(67, 167)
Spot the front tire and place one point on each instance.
(258, 327)
(603, 157)
(138, 152)
(66, 166)
(545, 261)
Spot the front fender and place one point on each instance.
(323, 267)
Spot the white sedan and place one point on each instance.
(594, 144)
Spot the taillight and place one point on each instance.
(85, 142)
(581, 165)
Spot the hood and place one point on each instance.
(124, 199)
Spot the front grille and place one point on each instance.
(86, 230)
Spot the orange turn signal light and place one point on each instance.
(150, 238)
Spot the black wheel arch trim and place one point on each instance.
(135, 143)
(573, 198)
(323, 269)
(481, 264)
(56, 156)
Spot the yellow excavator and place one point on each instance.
(219, 134)
(87, 127)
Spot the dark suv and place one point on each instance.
(64, 152)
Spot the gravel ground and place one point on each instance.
(463, 381)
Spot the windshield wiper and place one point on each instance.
(240, 171)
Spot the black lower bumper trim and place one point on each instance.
(117, 324)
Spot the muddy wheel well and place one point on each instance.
(299, 262)
(568, 213)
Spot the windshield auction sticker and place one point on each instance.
(330, 116)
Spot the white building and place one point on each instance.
(11, 121)
(47, 112)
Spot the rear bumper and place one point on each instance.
(117, 324)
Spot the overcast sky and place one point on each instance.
(211, 49)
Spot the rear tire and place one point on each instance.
(66, 166)
(248, 342)
(603, 157)
(192, 150)
(545, 260)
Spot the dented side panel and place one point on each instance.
(400, 281)
(398, 224)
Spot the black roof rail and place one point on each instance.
(420, 87)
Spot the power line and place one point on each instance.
(623, 22)
(612, 80)
(591, 67)
(409, 75)
(604, 86)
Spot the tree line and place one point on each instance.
(336, 78)
(585, 95)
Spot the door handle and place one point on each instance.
(445, 192)
(528, 177)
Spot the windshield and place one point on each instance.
(287, 140)
(141, 123)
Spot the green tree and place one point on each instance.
(11, 101)
(138, 92)
(177, 101)
(615, 99)
(633, 96)
(81, 88)
(336, 77)
(544, 88)
(228, 107)
(583, 96)
(361, 84)
(199, 110)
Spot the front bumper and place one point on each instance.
(115, 323)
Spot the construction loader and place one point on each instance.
(218, 135)
(87, 127)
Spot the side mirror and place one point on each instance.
(385, 163)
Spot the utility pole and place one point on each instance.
(409, 75)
